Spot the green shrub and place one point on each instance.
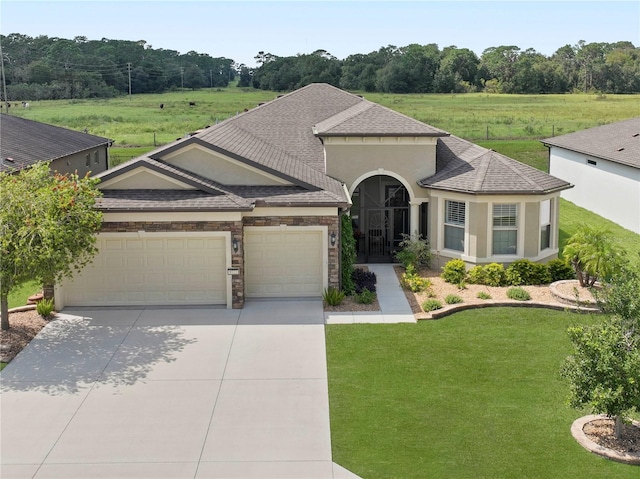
(525, 271)
(415, 251)
(364, 280)
(347, 254)
(560, 270)
(483, 295)
(431, 305)
(45, 307)
(366, 297)
(453, 299)
(477, 275)
(413, 281)
(333, 296)
(454, 271)
(494, 274)
(518, 293)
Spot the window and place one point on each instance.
(454, 225)
(87, 160)
(505, 229)
(545, 224)
(96, 159)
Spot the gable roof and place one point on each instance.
(465, 167)
(618, 142)
(28, 142)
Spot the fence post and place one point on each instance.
(487, 132)
(553, 130)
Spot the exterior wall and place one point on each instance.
(412, 159)
(78, 162)
(609, 189)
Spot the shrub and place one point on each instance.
(415, 251)
(494, 274)
(453, 299)
(365, 297)
(483, 295)
(431, 305)
(518, 293)
(333, 296)
(525, 271)
(454, 271)
(45, 307)
(560, 270)
(413, 281)
(477, 275)
(347, 254)
(364, 280)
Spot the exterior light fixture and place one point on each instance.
(333, 238)
(235, 245)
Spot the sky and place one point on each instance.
(240, 29)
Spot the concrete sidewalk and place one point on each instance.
(172, 393)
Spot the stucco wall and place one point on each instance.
(78, 162)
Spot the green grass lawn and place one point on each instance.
(475, 395)
(19, 296)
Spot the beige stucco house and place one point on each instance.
(250, 207)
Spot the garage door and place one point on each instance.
(283, 263)
(154, 269)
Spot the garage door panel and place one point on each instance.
(152, 271)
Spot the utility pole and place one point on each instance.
(182, 77)
(129, 70)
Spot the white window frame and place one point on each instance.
(507, 222)
(452, 223)
(546, 215)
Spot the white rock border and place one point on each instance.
(577, 430)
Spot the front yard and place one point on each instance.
(476, 394)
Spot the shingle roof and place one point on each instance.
(618, 142)
(469, 168)
(28, 142)
(166, 200)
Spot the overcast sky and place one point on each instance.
(239, 29)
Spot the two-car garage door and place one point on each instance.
(153, 269)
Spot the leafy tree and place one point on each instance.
(593, 254)
(47, 228)
(620, 296)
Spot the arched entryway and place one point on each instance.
(380, 216)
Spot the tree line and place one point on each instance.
(55, 68)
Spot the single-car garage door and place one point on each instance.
(152, 269)
(284, 263)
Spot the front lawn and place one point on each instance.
(475, 395)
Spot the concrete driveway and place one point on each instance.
(171, 393)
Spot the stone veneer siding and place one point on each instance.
(237, 228)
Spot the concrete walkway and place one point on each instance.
(394, 307)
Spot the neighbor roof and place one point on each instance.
(28, 142)
(618, 142)
(465, 167)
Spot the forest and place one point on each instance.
(44, 68)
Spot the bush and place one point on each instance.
(477, 275)
(413, 281)
(365, 297)
(453, 299)
(494, 274)
(525, 271)
(333, 296)
(415, 251)
(483, 295)
(364, 280)
(431, 305)
(347, 254)
(45, 307)
(560, 270)
(454, 271)
(518, 293)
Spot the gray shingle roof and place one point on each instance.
(469, 168)
(28, 142)
(618, 142)
(165, 200)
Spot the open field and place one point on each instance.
(474, 395)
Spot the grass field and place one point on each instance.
(475, 395)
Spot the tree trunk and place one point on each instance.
(4, 311)
(47, 290)
(618, 428)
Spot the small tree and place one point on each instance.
(620, 296)
(593, 254)
(48, 225)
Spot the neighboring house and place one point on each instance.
(250, 207)
(24, 143)
(604, 165)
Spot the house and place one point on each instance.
(251, 207)
(604, 165)
(25, 142)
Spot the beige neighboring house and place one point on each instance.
(24, 143)
(251, 207)
(604, 165)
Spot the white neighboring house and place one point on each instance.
(604, 165)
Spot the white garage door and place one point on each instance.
(153, 269)
(283, 263)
